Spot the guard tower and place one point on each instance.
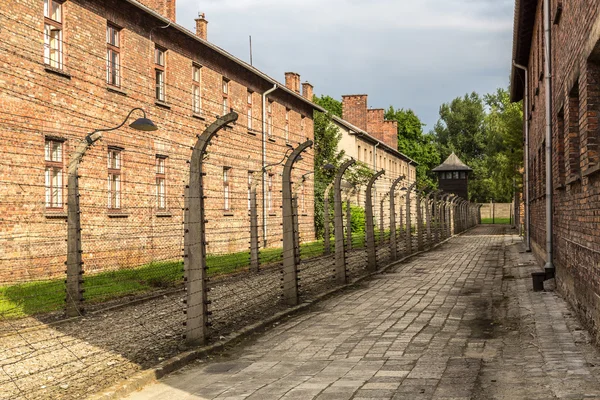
(453, 176)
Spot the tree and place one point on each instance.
(415, 144)
(327, 138)
(486, 134)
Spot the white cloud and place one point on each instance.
(409, 53)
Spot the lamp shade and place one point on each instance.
(143, 124)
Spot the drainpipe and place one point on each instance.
(264, 162)
(526, 116)
(548, 78)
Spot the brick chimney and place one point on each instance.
(307, 91)
(292, 81)
(375, 123)
(390, 134)
(354, 110)
(201, 27)
(380, 129)
(166, 8)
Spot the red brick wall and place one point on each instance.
(165, 8)
(38, 103)
(354, 110)
(576, 183)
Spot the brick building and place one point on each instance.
(367, 137)
(574, 111)
(71, 67)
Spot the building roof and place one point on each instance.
(525, 11)
(264, 76)
(452, 163)
(354, 130)
(224, 53)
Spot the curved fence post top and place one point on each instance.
(292, 157)
(373, 179)
(342, 170)
(396, 182)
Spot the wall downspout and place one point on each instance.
(526, 117)
(264, 162)
(548, 78)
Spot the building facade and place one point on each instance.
(575, 162)
(81, 65)
(371, 140)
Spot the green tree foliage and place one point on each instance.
(357, 218)
(415, 144)
(486, 133)
(327, 138)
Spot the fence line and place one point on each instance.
(164, 249)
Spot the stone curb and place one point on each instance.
(143, 378)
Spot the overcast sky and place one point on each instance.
(407, 53)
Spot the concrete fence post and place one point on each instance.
(74, 291)
(340, 252)
(296, 228)
(382, 218)
(290, 255)
(393, 237)
(420, 230)
(195, 238)
(348, 225)
(428, 219)
(371, 250)
(254, 242)
(436, 216)
(326, 222)
(409, 245)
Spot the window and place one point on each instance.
(455, 175)
(114, 178)
(270, 193)
(572, 149)
(287, 125)
(53, 39)
(302, 124)
(225, 96)
(250, 179)
(559, 150)
(161, 192)
(249, 115)
(53, 150)
(159, 70)
(359, 153)
(463, 175)
(196, 97)
(226, 199)
(365, 157)
(270, 118)
(113, 63)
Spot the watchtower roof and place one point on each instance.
(452, 163)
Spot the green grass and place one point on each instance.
(505, 221)
(39, 297)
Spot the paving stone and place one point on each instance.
(459, 322)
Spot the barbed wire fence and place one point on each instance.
(123, 262)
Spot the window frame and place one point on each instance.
(225, 89)
(54, 166)
(111, 70)
(250, 103)
(196, 88)
(115, 175)
(58, 26)
(160, 70)
(161, 177)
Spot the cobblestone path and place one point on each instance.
(459, 322)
